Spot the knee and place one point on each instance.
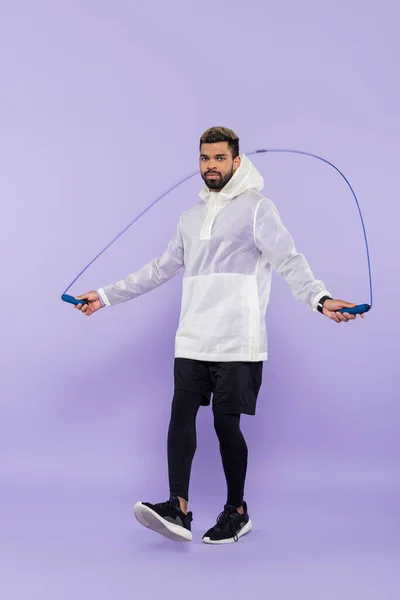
(184, 408)
(178, 404)
(226, 425)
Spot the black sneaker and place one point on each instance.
(165, 518)
(230, 526)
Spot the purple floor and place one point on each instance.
(327, 534)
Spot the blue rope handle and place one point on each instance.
(356, 310)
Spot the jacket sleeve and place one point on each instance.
(277, 246)
(154, 273)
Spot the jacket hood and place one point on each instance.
(246, 177)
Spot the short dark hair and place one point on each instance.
(221, 134)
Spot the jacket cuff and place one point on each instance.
(103, 298)
(317, 298)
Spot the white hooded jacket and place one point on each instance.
(227, 244)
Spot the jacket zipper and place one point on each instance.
(212, 212)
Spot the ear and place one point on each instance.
(236, 163)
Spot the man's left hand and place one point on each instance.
(331, 306)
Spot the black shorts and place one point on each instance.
(234, 385)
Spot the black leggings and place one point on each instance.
(182, 447)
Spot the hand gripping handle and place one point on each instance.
(356, 310)
(72, 300)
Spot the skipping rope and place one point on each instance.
(359, 309)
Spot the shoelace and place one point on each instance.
(225, 522)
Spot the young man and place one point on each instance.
(228, 244)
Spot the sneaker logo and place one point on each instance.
(176, 521)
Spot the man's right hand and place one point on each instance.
(93, 303)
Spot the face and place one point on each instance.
(217, 165)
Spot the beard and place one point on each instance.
(219, 182)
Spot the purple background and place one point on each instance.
(101, 107)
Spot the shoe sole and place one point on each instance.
(151, 520)
(243, 531)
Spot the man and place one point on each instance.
(228, 244)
